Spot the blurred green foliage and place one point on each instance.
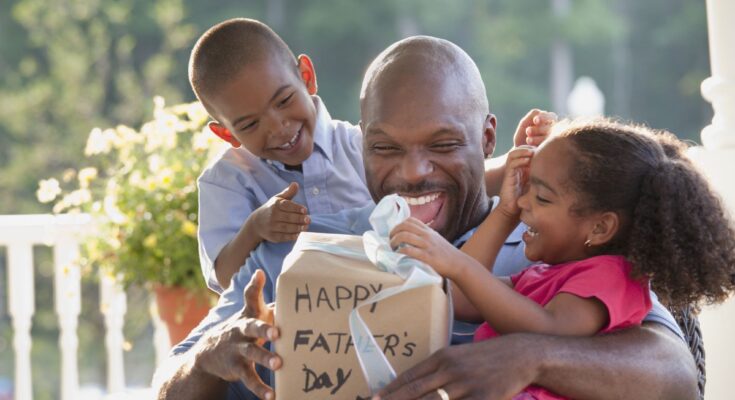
(69, 66)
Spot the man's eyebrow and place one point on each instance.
(536, 181)
(374, 131)
(275, 95)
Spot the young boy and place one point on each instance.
(288, 156)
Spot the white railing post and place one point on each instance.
(717, 160)
(67, 287)
(113, 305)
(22, 306)
(161, 341)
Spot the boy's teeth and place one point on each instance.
(532, 231)
(421, 200)
(290, 143)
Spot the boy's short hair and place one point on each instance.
(223, 50)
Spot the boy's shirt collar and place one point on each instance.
(322, 128)
(322, 133)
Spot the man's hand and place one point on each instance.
(534, 128)
(489, 370)
(280, 219)
(231, 351)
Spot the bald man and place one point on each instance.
(427, 130)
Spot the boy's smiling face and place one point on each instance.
(267, 108)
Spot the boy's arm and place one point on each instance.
(235, 252)
(646, 362)
(278, 220)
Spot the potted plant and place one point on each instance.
(140, 188)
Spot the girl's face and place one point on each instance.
(555, 234)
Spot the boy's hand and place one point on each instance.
(534, 128)
(280, 219)
(415, 239)
(515, 180)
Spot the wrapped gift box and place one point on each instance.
(315, 294)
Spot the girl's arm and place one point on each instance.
(507, 311)
(496, 302)
(488, 239)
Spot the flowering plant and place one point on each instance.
(141, 191)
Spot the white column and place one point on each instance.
(113, 305)
(717, 160)
(22, 306)
(68, 300)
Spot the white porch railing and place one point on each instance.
(19, 233)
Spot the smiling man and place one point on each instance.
(427, 133)
(427, 129)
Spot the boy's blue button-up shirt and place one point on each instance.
(333, 179)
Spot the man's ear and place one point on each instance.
(488, 135)
(223, 133)
(307, 73)
(605, 228)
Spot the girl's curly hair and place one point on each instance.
(674, 229)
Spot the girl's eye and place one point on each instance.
(286, 100)
(541, 199)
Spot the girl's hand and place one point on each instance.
(415, 239)
(515, 180)
(534, 128)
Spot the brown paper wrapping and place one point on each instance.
(314, 295)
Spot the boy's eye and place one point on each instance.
(541, 199)
(249, 126)
(286, 100)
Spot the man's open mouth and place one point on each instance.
(425, 207)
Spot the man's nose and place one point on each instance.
(415, 167)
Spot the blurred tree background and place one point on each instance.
(71, 65)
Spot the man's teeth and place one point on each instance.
(421, 200)
(290, 143)
(532, 232)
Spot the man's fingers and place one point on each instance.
(256, 385)
(289, 192)
(253, 294)
(258, 329)
(258, 354)
(420, 388)
(409, 377)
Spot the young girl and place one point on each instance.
(609, 207)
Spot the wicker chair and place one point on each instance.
(689, 323)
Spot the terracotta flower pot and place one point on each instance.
(181, 310)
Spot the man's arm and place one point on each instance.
(647, 362)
